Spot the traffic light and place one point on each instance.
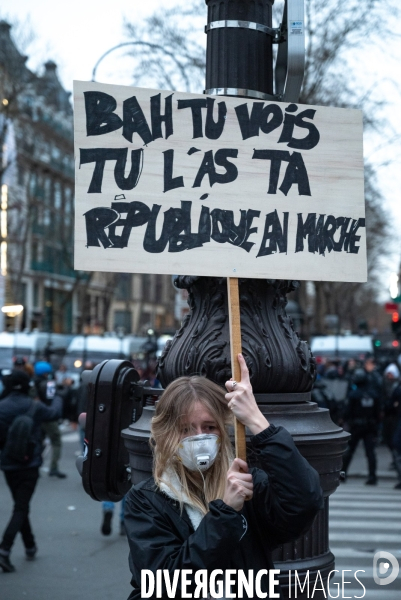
(396, 324)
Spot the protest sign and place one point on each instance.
(171, 182)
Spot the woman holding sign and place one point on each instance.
(190, 529)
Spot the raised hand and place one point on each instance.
(242, 402)
(239, 485)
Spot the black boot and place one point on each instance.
(5, 564)
(106, 525)
(30, 553)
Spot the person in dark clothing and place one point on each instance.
(395, 403)
(192, 513)
(390, 404)
(374, 379)
(397, 450)
(362, 415)
(324, 399)
(82, 404)
(46, 389)
(21, 478)
(20, 364)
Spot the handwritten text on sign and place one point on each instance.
(168, 182)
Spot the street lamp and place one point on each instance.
(137, 43)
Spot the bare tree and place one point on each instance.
(338, 34)
(167, 49)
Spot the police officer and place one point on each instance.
(362, 415)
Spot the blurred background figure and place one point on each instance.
(82, 399)
(391, 381)
(349, 370)
(374, 378)
(45, 386)
(393, 421)
(21, 469)
(397, 446)
(362, 415)
(61, 374)
(108, 512)
(20, 364)
(325, 399)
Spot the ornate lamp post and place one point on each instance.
(240, 63)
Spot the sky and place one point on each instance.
(76, 33)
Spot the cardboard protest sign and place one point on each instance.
(170, 182)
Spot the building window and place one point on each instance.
(122, 321)
(32, 184)
(36, 303)
(145, 321)
(35, 252)
(146, 287)
(123, 291)
(67, 207)
(68, 198)
(46, 217)
(57, 195)
(159, 288)
(48, 190)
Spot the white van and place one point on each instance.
(96, 348)
(342, 346)
(32, 346)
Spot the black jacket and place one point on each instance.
(286, 498)
(363, 409)
(16, 404)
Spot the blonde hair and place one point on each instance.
(176, 402)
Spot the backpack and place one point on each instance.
(46, 390)
(20, 443)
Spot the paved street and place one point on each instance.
(75, 561)
(364, 520)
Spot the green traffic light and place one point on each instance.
(378, 343)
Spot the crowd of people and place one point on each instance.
(368, 406)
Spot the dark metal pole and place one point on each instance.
(282, 368)
(239, 53)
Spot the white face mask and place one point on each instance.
(199, 452)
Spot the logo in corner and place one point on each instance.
(381, 564)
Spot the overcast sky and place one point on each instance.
(76, 33)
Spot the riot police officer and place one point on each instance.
(362, 415)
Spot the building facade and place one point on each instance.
(37, 218)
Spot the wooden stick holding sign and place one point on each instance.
(236, 348)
